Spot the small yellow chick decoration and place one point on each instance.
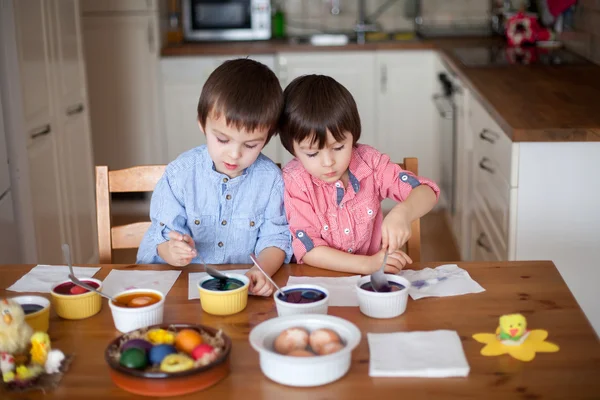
(512, 337)
(14, 331)
(40, 346)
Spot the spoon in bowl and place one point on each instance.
(281, 292)
(213, 272)
(67, 255)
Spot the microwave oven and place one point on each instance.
(206, 20)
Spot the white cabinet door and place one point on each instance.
(46, 199)
(406, 115)
(121, 66)
(182, 81)
(354, 70)
(9, 240)
(32, 35)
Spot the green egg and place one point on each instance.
(133, 358)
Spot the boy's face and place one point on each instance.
(330, 163)
(232, 150)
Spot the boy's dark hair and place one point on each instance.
(246, 92)
(314, 104)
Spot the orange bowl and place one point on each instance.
(162, 384)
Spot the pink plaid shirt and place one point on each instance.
(347, 219)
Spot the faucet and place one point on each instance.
(362, 24)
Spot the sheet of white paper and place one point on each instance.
(194, 277)
(41, 278)
(445, 280)
(118, 281)
(342, 290)
(432, 354)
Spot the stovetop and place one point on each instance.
(495, 56)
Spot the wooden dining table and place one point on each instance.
(532, 288)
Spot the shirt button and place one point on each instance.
(161, 224)
(220, 244)
(300, 234)
(197, 222)
(346, 231)
(326, 227)
(370, 212)
(228, 197)
(349, 250)
(404, 178)
(337, 184)
(225, 180)
(252, 223)
(223, 222)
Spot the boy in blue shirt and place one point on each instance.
(224, 200)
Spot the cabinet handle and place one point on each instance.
(384, 78)
(492, 137)
(44, 130)
(437, 98)
(483, 166)
(76, 109)
(483, 245)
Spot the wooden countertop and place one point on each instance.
(533, 288)
(534, 103)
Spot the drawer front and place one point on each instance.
(482, 244)
(490, 141)
(493, 192)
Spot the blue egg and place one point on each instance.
(157, 353)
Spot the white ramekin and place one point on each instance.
(130, 319)
(383, 305)
(318, 307)
(304, 371)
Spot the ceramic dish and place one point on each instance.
(161, 384)
(304, 371)
(225, 302)
(76, 305)
(309, 307)
(37, 311)
(383, 305)
(128, 319)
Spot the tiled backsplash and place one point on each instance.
(586, 38)
(312, 16)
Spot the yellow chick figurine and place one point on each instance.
(512, 327)
(40, 346)
(14, 331)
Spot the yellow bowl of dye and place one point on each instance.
(225, 302)
(38, 320)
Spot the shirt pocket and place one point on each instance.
(202, 227)
(364, 214)
(245, 231)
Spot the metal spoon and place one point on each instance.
(67, 255)
(211, 271)
(281, 292)
(379, 282)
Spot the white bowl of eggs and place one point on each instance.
(306, 349)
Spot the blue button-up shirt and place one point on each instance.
(228, 218)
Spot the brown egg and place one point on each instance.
(301, 353)
(321, 337)
(330, 348)
(291, 339)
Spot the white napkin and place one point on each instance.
(118, 281)
(41, 278)
(433, 354)
(194, 277)
(445, 280)
(341, 290)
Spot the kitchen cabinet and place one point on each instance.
(354, 70)
(121, 52)
(57, 150)
(182, 81)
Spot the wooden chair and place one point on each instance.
(144, 179)
(129, 180)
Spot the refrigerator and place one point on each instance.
(10, 252)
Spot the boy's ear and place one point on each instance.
(201, 127)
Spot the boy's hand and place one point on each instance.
(259, 284)
(394, 264)
(179, 250)
(395, 230)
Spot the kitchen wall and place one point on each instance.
(313, 16)
(586, 39)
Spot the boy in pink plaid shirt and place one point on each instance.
(334, 186)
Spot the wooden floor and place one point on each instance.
(436, 240)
